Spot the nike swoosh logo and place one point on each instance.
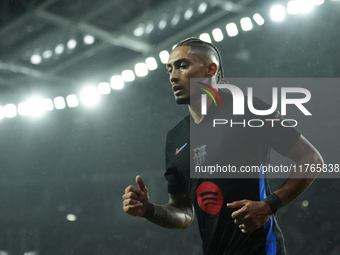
(178, 150)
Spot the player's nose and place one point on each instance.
(174, 76)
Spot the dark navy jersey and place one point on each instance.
(237, 146)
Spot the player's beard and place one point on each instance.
(182, 100)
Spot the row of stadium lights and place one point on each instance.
(36, 58)
(37, 106)
(26, 253)
(277, 14)
(90, 95)
(143, 29)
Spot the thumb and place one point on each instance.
(140, 183)
(237, 204)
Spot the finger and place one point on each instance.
(237, 204)
(238, 221)
(135, 206)
(140, 183)
(243, 217)
(242, 221)
(239, 214)
(128, 208)
(247, 226)
(131, 195)
(134, 189)
(129, 202)
(248, 230)
(244, 229)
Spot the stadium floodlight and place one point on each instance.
(128, 75)
(36, 59)
(292, 7)
(205, 37)
(141, 69)
(305, 6)
(47, 54)
(23, 109)
(258, 19)
(277, 13)
(175, 19)
(149, 27)
(72, 100)
(47, 104)
(231, 29)
(71, 217)
(71, 44)
(59, 103)
(59, 49)
(188, 14)
(217, 34)
(246, 24)
(139, 31)
(202, 8)
(10, 110)
(151, 63)
(162, 24)
(89, 39)
(35, 107)
(104, 88)
(164, 56)
(117, 82)
(89, 96)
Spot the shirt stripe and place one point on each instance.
(271, 247)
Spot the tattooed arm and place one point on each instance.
(178, 213)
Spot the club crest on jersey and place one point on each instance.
(200, 155)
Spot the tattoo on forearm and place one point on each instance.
(176, 214)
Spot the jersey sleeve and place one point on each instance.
(176, 183)
(278, 133)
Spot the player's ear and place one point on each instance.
(212, 70)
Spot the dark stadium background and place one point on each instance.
(77, 161)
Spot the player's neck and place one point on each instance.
(195, 110)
